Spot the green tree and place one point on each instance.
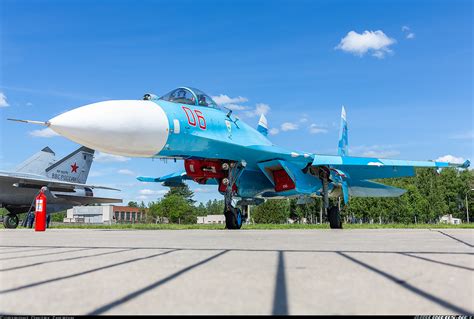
(273, 211)
(176, 208)
(215, 207)
(183, 191)
(132, 204)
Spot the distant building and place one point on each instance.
(211, 219)
(448, 219)
(107, 214)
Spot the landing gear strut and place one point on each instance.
(11, 221)
(233, 215)
(333, 213)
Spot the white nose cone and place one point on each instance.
(122, 127)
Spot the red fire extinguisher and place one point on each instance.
(40, 211)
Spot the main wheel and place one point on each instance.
(334, 216)
(11, 221)
(233, 218)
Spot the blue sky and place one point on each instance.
(403, 70)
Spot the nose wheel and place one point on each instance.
(233, 218)
(11, 221)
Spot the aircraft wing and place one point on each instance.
(362, 168)
(33, 181)
(86, 200)
(172, 180)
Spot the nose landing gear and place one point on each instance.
(233, 215)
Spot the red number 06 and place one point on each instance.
(192, 119)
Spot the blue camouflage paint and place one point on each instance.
(226, 137)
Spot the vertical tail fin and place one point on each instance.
(262, 125)
(37, 163)
(343, 146)
(74, 167)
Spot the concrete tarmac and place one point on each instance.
(378, 271)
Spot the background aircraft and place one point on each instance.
(65, 180)
(218, 148)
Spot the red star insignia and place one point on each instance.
(74, 168)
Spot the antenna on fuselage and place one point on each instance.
(228, 113)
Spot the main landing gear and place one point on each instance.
(333, 213)
(233, 215)
(11, 221)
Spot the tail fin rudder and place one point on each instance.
(262, 125)
(74, 167)
(343, 146)
(37, 163)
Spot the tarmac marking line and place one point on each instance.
(271, 250)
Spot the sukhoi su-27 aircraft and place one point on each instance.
(218, 148)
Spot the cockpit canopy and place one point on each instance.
(190, 96)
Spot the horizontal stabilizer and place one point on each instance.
(373, 189)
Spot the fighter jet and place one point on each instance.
(219, 148)
(65, 180)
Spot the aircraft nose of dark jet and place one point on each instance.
(123, 127)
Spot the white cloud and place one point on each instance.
(225, 99)
(3, 100)
(231, 103)
(235, 107)
(148, 192)
(108, 158)
(47, 132)
(359, 44)
(260, 108)
(96, 174)
(126, 172)
(468, 135)
(202, 190)
(288, 126)
(316, 129)
(29, 104)
(450, 159)
(274, 131)
(409, 34)
(381, 151)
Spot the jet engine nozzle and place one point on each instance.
(135, 128)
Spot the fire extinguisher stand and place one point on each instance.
(40, 210)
